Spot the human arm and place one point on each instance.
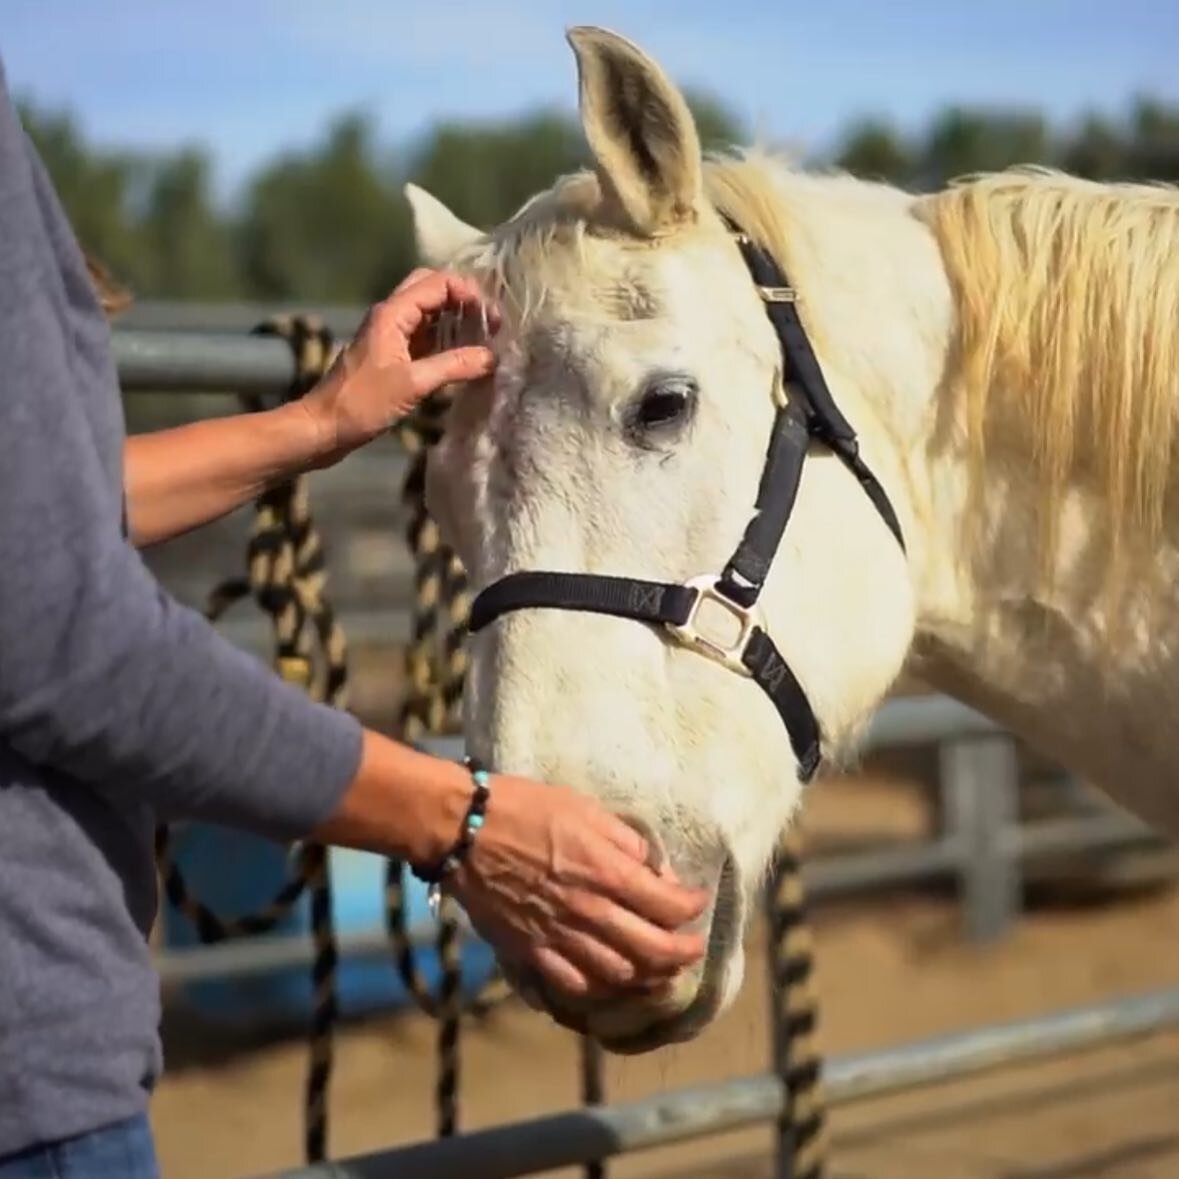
(181, 478)
(553, 878)
(108, 682)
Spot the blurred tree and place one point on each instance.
(717, 126)
(872, 150)
(1153, 141)
(330, 223)
(485, 171)
(97, 190)
(1095, 150)
(322, 224)
(961, 141)
(188, 248)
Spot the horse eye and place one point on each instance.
(665, 403)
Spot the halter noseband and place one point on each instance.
(728, 603)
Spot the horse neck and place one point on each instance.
(1036, 659)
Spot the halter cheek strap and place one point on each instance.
(718, 615)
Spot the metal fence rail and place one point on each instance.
(580, 1136)
(161, 361)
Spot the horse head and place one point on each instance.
(679, 334)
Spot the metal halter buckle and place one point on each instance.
(778, 294)
(726, 649)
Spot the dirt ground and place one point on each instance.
(889, 970)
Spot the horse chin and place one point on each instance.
(636, 1022)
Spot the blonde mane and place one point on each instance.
(1067, 304)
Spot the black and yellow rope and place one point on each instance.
(286, 577)
(435, 669)
(793, 1018)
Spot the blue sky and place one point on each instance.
(249, 78)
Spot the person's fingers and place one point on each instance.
(492, 926)
(562, 974)
(456, 364)
(620, 833)
(657, 897)
(597, 960)
(408, 307)
(418, 273)
(654, 951)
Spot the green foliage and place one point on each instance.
(959, 141)
(323, 224)
(329, 224)
(96, 188)
(187, 247)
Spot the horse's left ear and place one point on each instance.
(640, 131)
(438, 233)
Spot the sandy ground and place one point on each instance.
(889, 970)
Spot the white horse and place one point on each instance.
(1007, 351)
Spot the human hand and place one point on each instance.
(557, 883)
(391, 364)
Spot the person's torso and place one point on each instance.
(78, 994)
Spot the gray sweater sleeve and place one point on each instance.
(103, 676)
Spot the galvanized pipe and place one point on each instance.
(567, 1139)
(243, 957)
(201, 362)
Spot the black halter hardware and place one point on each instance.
(734, 635)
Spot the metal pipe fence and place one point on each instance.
(162, 361)
(579, 1136)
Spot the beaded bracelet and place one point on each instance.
(434, 874)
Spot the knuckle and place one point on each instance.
(383, 314)
(560, 973)
(617, 971)
(585, 905)
(612, 877)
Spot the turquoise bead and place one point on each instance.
(475, 821)
(482, 777)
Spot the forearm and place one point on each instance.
(401, 803)
(182, 478)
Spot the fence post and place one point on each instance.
(979, 781)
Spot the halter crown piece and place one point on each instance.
(717, 615)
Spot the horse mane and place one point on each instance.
(1067, 309)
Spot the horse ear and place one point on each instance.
(438, 233)
(640, 131)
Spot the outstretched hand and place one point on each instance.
(560, 885)
(392, 363)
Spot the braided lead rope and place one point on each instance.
(286, 577)
(436, 668)
(801, 1130)
(435, 665)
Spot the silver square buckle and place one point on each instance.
(717, 627)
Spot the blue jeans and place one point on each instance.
(124, 1150)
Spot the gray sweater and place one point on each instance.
(118, 707)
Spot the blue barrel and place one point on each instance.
(235, 873)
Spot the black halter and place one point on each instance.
(740, 642)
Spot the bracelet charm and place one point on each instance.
(473, 821)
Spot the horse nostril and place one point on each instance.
(656, 852)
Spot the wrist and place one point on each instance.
(312, 417)
(438, 868)
(402, 803)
